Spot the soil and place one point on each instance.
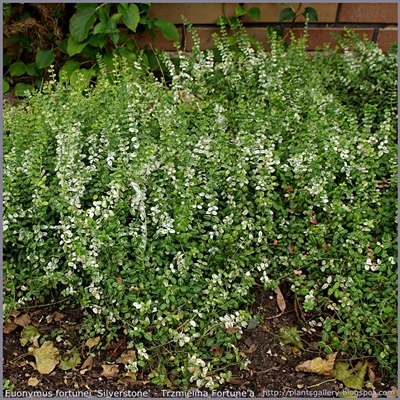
(272, 372)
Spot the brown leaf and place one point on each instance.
(119, 280)
(318, 365)
(23, 320)
(88, 363)
(291, 248)
(371, 375)
(110, 371)
(251, 350)
(234, 381)
(218, 351)
(232, 329)
(313, 221)
(126, 357)
(15, 313)
(280, 300)
(9, 326)
(58, 316)
(290, 188)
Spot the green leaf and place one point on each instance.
(29, 334)
(67, 69)
(74, 47)
(312, 14)
(129, 55)
(70, 360)
(81, 22)
(113, 21)
(239, 11)
(101, 27)
(255, 13)
(80, 78)
(103, 15)
(44, 58)
(32, 69)
(222, 21)
(98, 40)
(344, 374)
(6, 86)
(287, 14)
(252, 324)
(130, 15)
(18, 68)
(22, 88)
(291, 336)
(168, 29)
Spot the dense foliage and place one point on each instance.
(159, 205)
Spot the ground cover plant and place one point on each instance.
(158, 204)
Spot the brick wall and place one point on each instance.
(378, 21)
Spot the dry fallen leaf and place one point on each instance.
(23, 320)
(9, 326)
(126, 357)
(46, 357)
(280, 300)
(251, 350)
(394, 394)
(88, 363)
(345, 374)
(110, 371)
(92, 342)
(318, 365)
(33, 381)
(58, 316)
(371, 375)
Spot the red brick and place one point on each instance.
(319, 36)
(270, 11)
(386, 37)
(369, 13)
(196, 13)
(206, 40)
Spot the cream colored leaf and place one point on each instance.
(280, 300)
(110, 371)
(318, 365)
(92, 342)
(126, 357)
(394, 394)
(46, 357)
(33, 381)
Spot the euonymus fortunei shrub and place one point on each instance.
(158, 205)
